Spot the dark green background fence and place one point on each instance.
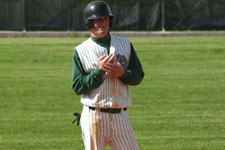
(128, 14)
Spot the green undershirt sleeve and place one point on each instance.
(134, 73)
(83, 82)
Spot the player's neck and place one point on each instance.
(105, 42)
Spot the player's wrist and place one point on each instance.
(122, 72)
(98, 72)
(125, 74)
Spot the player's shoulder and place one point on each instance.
(83, 44)
(119, 39)
(116, 37)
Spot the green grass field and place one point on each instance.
(180, 105)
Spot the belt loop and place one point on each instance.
(98, 110)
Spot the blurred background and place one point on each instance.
(142, 15)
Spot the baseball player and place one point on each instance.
(103, 67)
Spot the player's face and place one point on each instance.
(100, 27)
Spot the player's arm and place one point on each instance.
(134, 74)
(83, 82)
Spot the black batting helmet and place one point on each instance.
(96, 9)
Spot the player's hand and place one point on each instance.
(114, 70)
(104, 60)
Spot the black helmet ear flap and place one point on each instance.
(89, 24)
(110, 21)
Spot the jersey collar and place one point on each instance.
(105, 42)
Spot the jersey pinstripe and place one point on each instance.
(112, 93)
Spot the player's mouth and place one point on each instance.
(100, 29)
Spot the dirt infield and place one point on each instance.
(121, 33)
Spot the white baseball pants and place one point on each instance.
(100, 129)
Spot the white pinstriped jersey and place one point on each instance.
(112, 92)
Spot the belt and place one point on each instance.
(109, 110)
